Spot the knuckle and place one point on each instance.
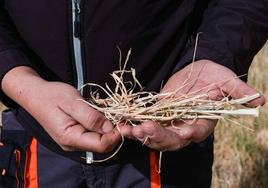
(93, 119)
(190, 133)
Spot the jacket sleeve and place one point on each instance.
(232, 33)
(12, 51)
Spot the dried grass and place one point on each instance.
(125, 104)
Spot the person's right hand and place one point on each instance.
(70, 122)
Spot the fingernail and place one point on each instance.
(107, 126)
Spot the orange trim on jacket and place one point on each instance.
(30, 174)
(155, 175)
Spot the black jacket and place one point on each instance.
(75, 41)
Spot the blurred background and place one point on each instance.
(241, 156)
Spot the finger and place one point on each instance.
(126, 131)
(166, 145)
(147, 129)
(236, 88)
(88, 117)
(78, 138)
(196, 132)
(215, 93)
(158, 137)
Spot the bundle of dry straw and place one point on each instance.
(128, 103)
(123, 104)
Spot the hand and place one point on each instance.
(202, 74)
(70, 122)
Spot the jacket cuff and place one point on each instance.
(10, 59)
(205, 51)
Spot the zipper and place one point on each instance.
(76, 20)
(76, 17)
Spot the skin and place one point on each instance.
(76, 126)
(70, 122)
(178, 135)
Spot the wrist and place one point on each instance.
(21, 84)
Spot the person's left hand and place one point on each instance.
(204, 73)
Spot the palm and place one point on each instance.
(201, 77)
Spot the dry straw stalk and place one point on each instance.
(125, 104)
(128, 103)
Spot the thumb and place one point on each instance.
(88, 117)
(236, 88)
